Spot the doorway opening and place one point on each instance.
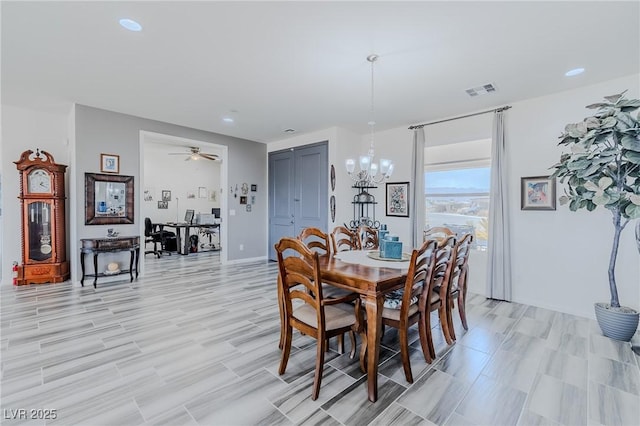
(179, 175)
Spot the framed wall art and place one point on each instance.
(108, 199)
(166, 195)
(537, 193)
(109, 163)
(398, 199)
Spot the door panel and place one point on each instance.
(281, 200)
(298, 191)
(311, 176)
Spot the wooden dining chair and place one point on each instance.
(441, 285)
(343, 239)
(368, 238)
(458, 287)
(307, 310)
(412, 304)
(318, 241)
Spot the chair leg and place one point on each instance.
(404, 354)
(286, 349)
(281, 309)
(425, 337)
(462, 303)
(452, 332)
(444, 325)
(432, 349)
(352, 337)
(340, 339)
(317, 380)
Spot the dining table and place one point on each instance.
(363, 272)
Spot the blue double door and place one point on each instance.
(298, 191)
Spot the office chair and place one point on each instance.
(156, 237)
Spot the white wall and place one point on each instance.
(24, 129)
(560, 258)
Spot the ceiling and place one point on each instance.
(302, 65)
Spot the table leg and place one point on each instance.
(82, 265)
(178, 241)
(137, 260)
(373, 306)
(95, 270)
(131, 264)
(187, 243)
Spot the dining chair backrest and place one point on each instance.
(316, 240)
(461, 262)
(437, 232)
(343, 239)
(298, 267)
(419, 276)
(368, 237)
(445, 254)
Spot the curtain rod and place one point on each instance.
(419, 126)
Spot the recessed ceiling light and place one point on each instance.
(227, 119)
(130, 24)
(573, 72)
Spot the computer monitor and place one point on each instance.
(216, 212)
(188, 216)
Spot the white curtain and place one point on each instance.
(416, 200)
(499, 250)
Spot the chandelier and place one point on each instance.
(369, 173)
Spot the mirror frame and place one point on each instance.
(90, 218)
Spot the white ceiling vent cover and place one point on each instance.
(481, 90)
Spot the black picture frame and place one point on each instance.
(397, 201)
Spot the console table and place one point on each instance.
(96, 246)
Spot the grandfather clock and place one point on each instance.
(42, 200)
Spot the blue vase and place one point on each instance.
(393, 249)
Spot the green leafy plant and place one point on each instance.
(603, 167)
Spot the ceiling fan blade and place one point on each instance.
(208, 156)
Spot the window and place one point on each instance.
(457, 181)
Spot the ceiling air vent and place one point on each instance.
(481, 90)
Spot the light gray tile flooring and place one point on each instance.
(195, 342)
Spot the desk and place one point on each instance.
(372, 283)
(96, 246)
(183, 248)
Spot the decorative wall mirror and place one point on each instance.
(108, 199)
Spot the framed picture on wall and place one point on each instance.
(398, 199)
(109, 163)
(166, 195)
(537, 193)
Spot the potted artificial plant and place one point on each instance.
(602, 169)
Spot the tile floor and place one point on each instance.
(196, 343)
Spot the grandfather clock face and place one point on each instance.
(39, 182)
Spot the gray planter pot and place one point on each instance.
(617, 324)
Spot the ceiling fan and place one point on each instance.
(195, 154)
